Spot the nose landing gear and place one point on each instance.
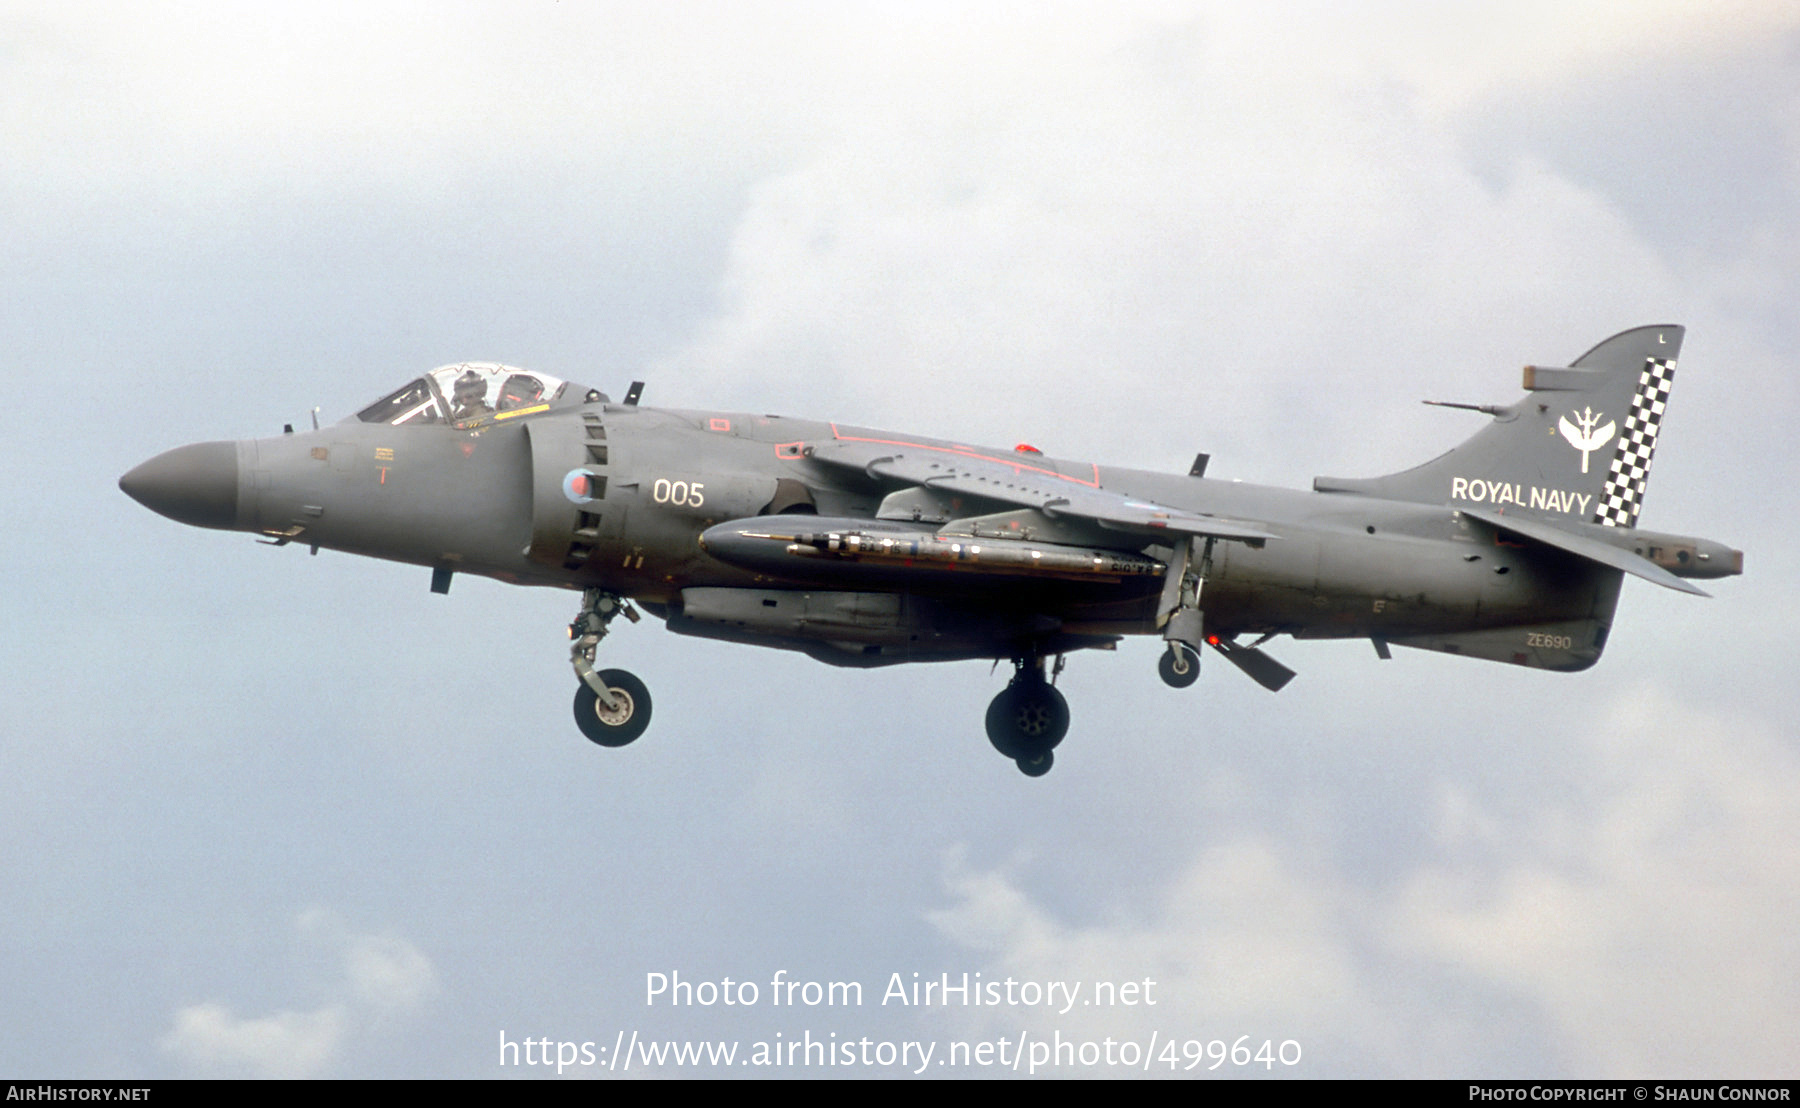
(612, 707)
(1029, 717)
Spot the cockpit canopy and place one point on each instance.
(471, 393)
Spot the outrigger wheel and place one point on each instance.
(1179, 666)
(1027, 720)
(621, 723)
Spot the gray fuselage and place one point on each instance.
(490, 501)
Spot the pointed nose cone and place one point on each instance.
(195, 484)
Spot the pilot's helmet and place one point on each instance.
(470, 387)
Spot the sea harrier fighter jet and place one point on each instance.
(870, 548)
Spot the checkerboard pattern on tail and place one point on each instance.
(1623, 496)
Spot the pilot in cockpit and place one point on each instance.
(469, 400)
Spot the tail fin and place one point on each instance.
(1577, 448)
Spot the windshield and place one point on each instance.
(411, 403)
(466, 394)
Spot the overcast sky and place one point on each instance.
(269, 813)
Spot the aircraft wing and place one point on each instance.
(1027, 480)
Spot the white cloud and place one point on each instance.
(382, 977)
(212, 1039)
(1100, 204)
(1450, 55)
(1145, 236)
(408, 86)
(385, 973)
(388, 973)
(1645, 929)
(1248, 940)
(1653, 925)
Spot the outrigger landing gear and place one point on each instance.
(612, 707)
(1180, 665)
(1183, 623)
(1029, 717)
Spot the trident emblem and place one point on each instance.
(1586, 438)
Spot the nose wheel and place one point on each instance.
(1028, 719)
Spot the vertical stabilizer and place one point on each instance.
(1577, 447)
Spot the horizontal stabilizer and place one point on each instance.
(1583, 547)
(1264, 670)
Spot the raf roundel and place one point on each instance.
(579, 486)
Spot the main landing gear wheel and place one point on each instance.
(1180, 666)
(1026, 721)
(620, 724)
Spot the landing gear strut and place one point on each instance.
(1182, 621)
(1029, 717)
(612, 707)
